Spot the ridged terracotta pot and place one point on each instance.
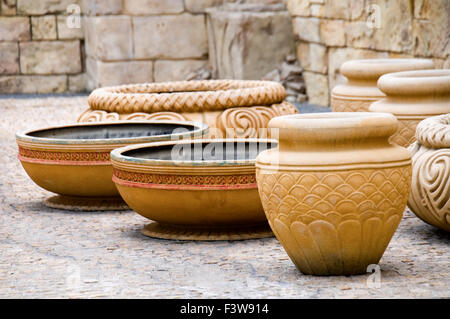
(360, 90)
(335, 189)
(231, 108)
(430, 193)
(413, 96)
(194, 190)
(73, 160)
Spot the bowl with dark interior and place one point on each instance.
(74, 160)
(194, 189)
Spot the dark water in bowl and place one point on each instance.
(112, 131)
(213, 151)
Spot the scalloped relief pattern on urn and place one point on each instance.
(339, 104)
(335, 222)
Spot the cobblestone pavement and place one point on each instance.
(52, 253)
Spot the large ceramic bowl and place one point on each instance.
(194, 190)
(231, 108)
(73, 160)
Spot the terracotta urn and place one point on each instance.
(413, 96)
(430, 189)
(231, 108)
(360, 90)
(73, 160)
(194, 190)
(335, 189)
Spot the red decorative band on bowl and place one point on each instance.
(64, 158)
(186, 182)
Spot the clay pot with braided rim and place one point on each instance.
(413, 96)
(335, 189)
(244, 106)
(430, 189)
(360, 90)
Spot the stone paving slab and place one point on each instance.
(50, 253)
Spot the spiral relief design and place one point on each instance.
(97, 116)
(430, 195)
(252, 121)
(244, 121)
(159, 116)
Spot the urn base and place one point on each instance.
(86, 203)
(183, 232)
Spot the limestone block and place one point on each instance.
(9, 58)
(317, 88)
(332, 32)
(313, 57)
(116, 73)
(248, 44)
(8, 7)
(50, 57)
(359, 35)
(43, 27)
(394, 30)
(170, 36)
(357, 9)
(39, 7)
(431, 37)
(109, 38)
(199, 6)
(144, 7)
(66, 32)
(330, 9)
(298, 8)
(101, 7)
(166, 70)
(14, 29)
(33, 84)
(77, 83)
(307, 29)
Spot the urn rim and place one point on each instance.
(372, 69)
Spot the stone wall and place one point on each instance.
(39, 53)
(128, 41)
(132, 41)
(330, 32)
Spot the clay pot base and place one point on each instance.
(86, 203)
(164, 231)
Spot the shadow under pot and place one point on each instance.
(194, 190)
(412, 97)
(335, 189)
(360, 89)
(74, 160)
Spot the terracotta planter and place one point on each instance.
(73, 160)
(430, 193)
(243, 106)
(412, 97)
(334, 191)
(361, 90)
(192, 193)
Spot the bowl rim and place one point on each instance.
(23, 136)
(116, 154)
